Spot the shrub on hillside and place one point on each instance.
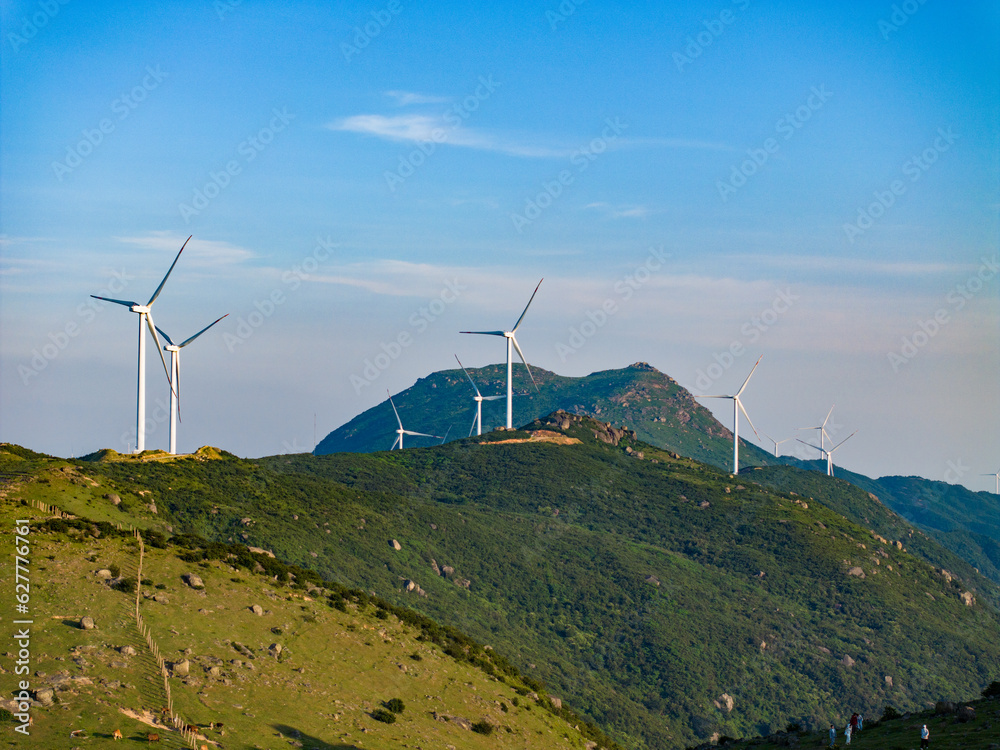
(992, 690)
(395, 705)
(483, 727)
(890, 713)
(386, 717)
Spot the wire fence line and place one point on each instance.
(185, 729)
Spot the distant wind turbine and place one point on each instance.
(511, 340)
(829, 453)
(737, 408)
(175, 378)
(145, 317)
(400, 432)
(822, 432)
(997, 475)
(776, 442)
(477, 421)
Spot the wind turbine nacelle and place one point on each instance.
(171, 348)
(140, 308)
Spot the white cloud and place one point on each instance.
(198, 252)
(427, 128)
(405, 98)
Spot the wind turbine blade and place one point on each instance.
(394, 409)
(486, 333)
(715, 397)
(159, 350)
(748, 419)
(160, 287)
(494, 398)
(843, 441)
(521, 355)
(200, 332)
(165, 336)
(468, 376)
(514, 330)
(399, 439)
(811, 445)
(750, 376)
(475, 416)
(116, 301)
(420, 434)
(445, 438)
(828, 416)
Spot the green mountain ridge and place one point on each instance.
(645, 588)
(664, 414)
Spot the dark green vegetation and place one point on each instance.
(661, 412)
(663, 598)
(952, 729)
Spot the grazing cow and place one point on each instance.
(152, 737)
(192, 728)
(78, 733)
(117, 735)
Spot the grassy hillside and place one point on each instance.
(314, 669)
(661, 412)
(648, 590)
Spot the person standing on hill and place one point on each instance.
(847, 734)
(833, 735)
(925, 737)
(854, 722)
(861, 721)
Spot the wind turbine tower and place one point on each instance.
(145, 313)
(175, 379)
(737, 408)
(477, 422)
(512, 342)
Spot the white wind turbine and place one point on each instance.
(400, 432)
(997, 475)
(776, 442)
(822, 433)
(511, 340)
(175, 378)
(145, 317)
(829, 453)
(737, 408)
(477, 422)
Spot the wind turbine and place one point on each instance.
(477, 422)
(997, 475)
(829, 453)
(822, 432)
(511, 340)
(400, 432)
(737, 408)
(145, 317)
(175, 378)
(776, 442)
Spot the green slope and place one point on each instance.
(311, 670)
(661, 412)
(630, 585)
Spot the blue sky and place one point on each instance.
(809, 182)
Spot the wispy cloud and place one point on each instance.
(198, 252)
(621, 212)
(418, 128)
(406, 98)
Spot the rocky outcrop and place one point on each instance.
(194, 581)
(856, 571)
(395, 545)
(87, 623)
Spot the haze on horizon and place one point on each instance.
(699, 185)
